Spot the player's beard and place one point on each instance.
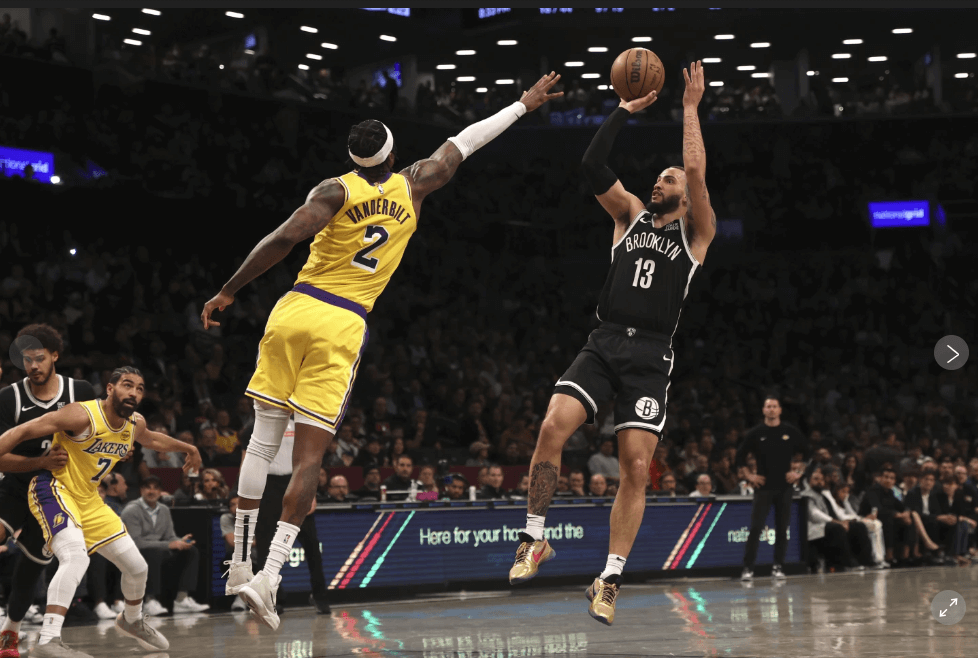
(666, 205)
(41, 377)
(122, 409)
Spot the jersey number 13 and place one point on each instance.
(643, 280)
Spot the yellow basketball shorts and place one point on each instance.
(310, 353)
(53, 506)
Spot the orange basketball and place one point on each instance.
(636, 72)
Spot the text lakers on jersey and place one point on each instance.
(356, 254)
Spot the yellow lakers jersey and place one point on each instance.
(90, 459)
(356, 254)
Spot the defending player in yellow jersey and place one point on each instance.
(75, 521)
(316, 334)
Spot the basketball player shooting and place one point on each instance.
(307, 360)
(658, 246)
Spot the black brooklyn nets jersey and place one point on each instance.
(18, 405)
(651, 269)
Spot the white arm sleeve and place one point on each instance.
(479, 134)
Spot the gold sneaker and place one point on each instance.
(529, 556)
(602, 595)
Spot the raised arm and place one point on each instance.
(71, 418)
(163, 443)
(323, 202)
(623, 206)
(426, 176)
(701, 221)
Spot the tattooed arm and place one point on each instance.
(324, 201)
(701, 221)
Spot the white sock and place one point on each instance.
(51, 628)
(244, 533)
(280, 548)
(534, 526)
(613, 567)
(132, 613)
(10, 625)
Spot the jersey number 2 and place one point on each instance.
(104, 465)
(649, 267)
(375, 237)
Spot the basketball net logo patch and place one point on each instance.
(647, 408)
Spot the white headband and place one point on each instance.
(380, 156)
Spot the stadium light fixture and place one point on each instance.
(573, 64)
(234, 14)
(56, 180)
(966, 55)
(464, 52)
(387, 37)
(145, 33)
(716, 83)
(303, 67)
(724, 37)
(878, 58)
(505, 81)
(590, 76)
(597, 49)
(956, 75)
(249, 51)
(760, 75)
(841, 56)
(72, 251)
(101, 17)
(152, 12)
(506, 42)
(314, 56)
(840, 79)
(811, 73)
(221, 67)
(903, 30)
(603, 87)
(761, 44)
(466, 78)
(481, 90)
(132, 42)
(749, 67)
(310, 30)
(445, 67)
(852, 42)
(330, 46)
(712, 60)
(641, 39)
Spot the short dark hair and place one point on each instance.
(888, 469)
(574, 470)
(366, 470)
(365, 140)
(458, 476)
(406, 456)
(46, 335)
(836, 488)
(124, 370)
(928, 473)
(151, 481)
(773, 396)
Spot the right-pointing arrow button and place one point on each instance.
(956, 354)
(951, 352)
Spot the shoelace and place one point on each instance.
(523, 551)
(608, 594)
(140, 626)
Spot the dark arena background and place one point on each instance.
(144, 152)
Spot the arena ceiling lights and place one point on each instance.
(481, 90)
(505, 81)
(132, 42)
(903, 30)
(712, 60)
(852, 42)
(329, 46)
(233, 14)
(597, 49)
(573, 64)
(145, 33)
(303, 67)
(314, 56)
(960, 75)
(506, 42)
(841, 56)
(101, 17)
(590, 76)
(760, 75)
(749, 67)
(966, 55)
(877, 58)
(310, 30)
(465, 78)
(761, 44)
(387, 37)
(641, 39)
(840, 79)
(463, 53)
(716, 83)
(152, 12)
(724, 37)
(445, 67)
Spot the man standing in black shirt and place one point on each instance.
(774, 445)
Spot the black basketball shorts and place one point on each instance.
(16, 515)
(630, 365)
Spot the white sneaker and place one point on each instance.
(239, 604)
(34, 615)
(189, 605)
(238, 574)
(102, 611)
(147, 637)
(260, 595)
(118, 606)
(153, 608)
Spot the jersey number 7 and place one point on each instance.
(375, 237)
(104, 465)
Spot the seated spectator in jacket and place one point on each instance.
(668, 487)
(724, 477)
(457, 487)
(563, 486)
(184, 495)
(899, 533)
(704, 485)
(493, 487)
(604, 461)
(522, 490)
(212, 488)
(575, 483)
(598, 486)
(115, 492)
(339, 491)
(952, 500)
(827, 536)
(969, 487)
(151, 527)
(371, 454)
(925, 508)
(857, 530)
(401, 480)
(371, 484)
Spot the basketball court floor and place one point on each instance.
(879, 614)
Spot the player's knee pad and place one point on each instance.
(69, 547)
(124, 554)
(270, 425)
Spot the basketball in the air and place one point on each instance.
(636, 72)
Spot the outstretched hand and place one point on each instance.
(639, 104)
(539, 93)
(220, 301)
(695, 84)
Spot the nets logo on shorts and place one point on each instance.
(647, 408)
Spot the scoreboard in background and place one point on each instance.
(900, 214)
(415, 546)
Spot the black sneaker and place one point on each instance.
(320, 604)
